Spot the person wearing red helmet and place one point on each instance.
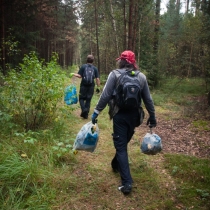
(124, 120)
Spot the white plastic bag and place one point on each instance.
(151, 144)
(87, 138)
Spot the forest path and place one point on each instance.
(100, 161)
(94, 169)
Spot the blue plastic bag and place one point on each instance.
(70, 95)
(151, 144)
(87, 138)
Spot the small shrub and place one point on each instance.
(32, 94)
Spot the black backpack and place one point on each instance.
(128, 90)
(88, 75)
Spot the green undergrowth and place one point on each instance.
(178, 91)
(201, 125)
(192, 177)
(39, 170)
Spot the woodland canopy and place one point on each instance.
(41, 42)
(170, 43)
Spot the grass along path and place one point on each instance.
(177, 178)
(50, 176)
(94, 185)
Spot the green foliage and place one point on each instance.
(201, 125)
(6, 123)
(39, 171)
(10, 44)
(103, 78)
(62, 148)
(203, 194)
(184, 49)
(27, 161)
(192, 178)
(72, 69)
(20, 179)
(32, 94)
(175, 90)
(153, 76)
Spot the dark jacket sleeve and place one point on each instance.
(109, 88)
(107, 93)
(96, 72)
(81, 70)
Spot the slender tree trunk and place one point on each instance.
(125, 31)
(135, 25)
(90, 41)
(189, 68)
(154, 75)
(130, 25)
(114, 28)
(197, 6)
(64, 54)
(3, 38)
(97, 43)
(139, 38)
(187, 6)
(178, 6)
(48, 50)
(156, 30)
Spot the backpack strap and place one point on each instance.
(123, 72)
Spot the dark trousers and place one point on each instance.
(85, 96)
(124, 124)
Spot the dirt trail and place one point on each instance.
(100, 160)
(178, 136)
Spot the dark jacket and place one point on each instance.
(110, 86)
(81, 72)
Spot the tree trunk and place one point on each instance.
(97, 43)
(114, 28)
(187, 6)
(125, 31)
(139, 43)
(154, 76)
(156, 30)
(130, 25)
(178, 6)
(136, 18)
(90, 41)
(3, 38)
(197, 6)
(64, 54)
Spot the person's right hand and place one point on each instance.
(71, 75)
(94, 118)
(152, 121)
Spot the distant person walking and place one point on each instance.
(87, 72)
(125, 110)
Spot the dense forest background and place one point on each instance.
(41, 42)
(174, 42)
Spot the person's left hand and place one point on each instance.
(97, 90)
(151, 122)
(94, 118)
